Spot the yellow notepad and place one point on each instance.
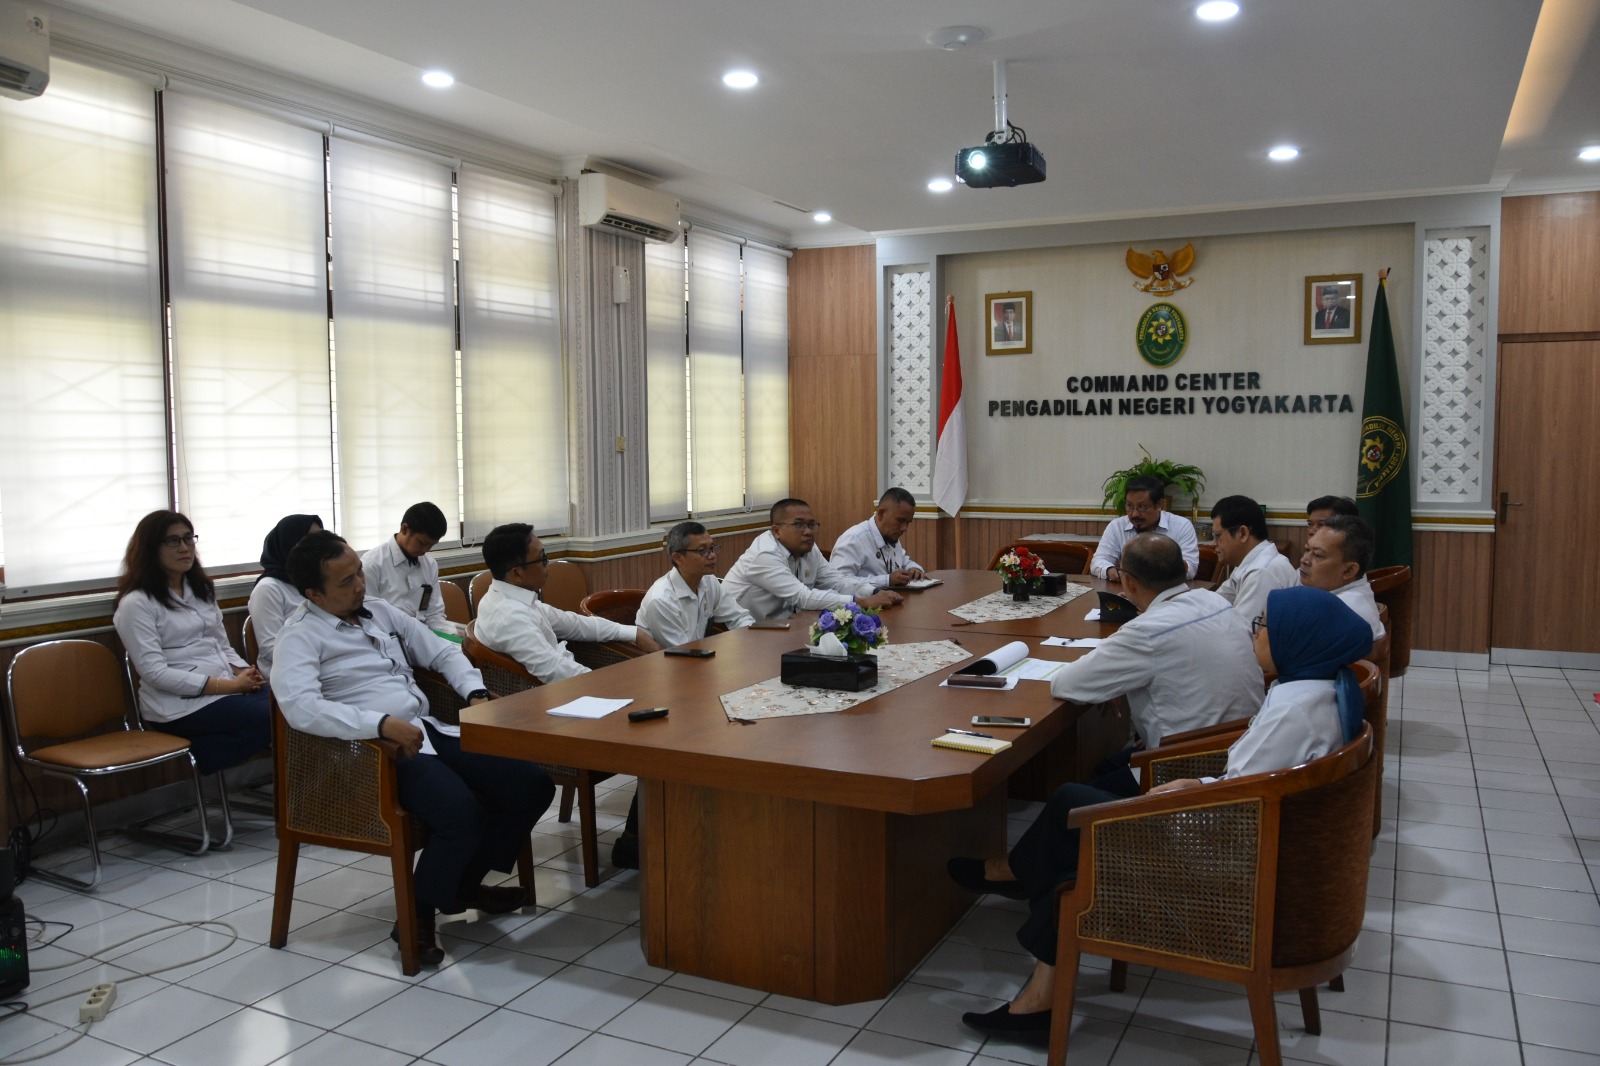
(983, 745)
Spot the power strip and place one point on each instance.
(97, 1002)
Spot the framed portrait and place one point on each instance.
(1333, 309)
(1009, 323)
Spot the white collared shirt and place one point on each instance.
(1257, 574)
(1359, 598)
(675, 614)
(176, 650)
(1298, 722)
(513, 621)
(1120, 530)
(271, 603)
(862, 552)
(769, 582)
(337, 678)
(393, 577)
(1185, 663)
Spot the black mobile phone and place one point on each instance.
(691, 653)
(1001, 720)
(647, 714)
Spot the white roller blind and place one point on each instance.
(665, 365)
(766, 375)
(512, 382)
(716, 374)
(81, 385)
(394, 337)
(249, 291)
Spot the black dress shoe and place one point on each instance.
(1001, 1022)
(968, 873)
(499, 899)
(429, 953)
(625, 852)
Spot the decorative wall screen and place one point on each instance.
(910, 383)
(1455, 359)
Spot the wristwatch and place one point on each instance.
(478, 694)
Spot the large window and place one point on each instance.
(329, 345)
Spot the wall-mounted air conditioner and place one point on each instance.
(24, 51)
(628, 210)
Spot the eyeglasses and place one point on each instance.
(185, 541)
(708, 552)
(805, 525)
(1257, 625)
(544, 557)
(1143, 508)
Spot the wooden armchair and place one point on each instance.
(345, 794)
(1261, 881)
(1207, 570)
(1059, 557)
(503, 675)
(478, 589)
(456, 607)
(1393, 588)
(565, 585)
(69, 710)
(617, 605)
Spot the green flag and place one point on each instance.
(1383, 471)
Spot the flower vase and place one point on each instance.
(1021, 591)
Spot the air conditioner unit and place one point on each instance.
(24, 51)
(628, 210)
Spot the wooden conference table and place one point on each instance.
(805, 855)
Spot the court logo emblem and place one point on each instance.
(1161, 334)
(1383, 450)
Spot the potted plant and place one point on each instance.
(1187, 478)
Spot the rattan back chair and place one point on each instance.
(346, 794)
(456, 607)
(477, 589)
(616, 605)
(1068, 557)
(68, 705)
(1261, 881)
(1393, 588)
(503, 676)
(565, 585)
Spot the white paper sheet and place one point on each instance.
(1034, 669)
(1001, 659)
(1093, 615)
(1071, 642)
(589, 707)
(924, 583)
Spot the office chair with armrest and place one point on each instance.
(565, 586)
(616, 605)
(456, 607)
(478, 589)
(1392, 587)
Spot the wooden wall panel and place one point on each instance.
(1454, 573)
(833, 384)
(1549, 260)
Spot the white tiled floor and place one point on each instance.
(1483, 944)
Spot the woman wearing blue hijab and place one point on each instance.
(274, 598)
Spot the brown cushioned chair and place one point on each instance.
(1261, 881)
(617, 605)
(345, 794)
(1392, 587)
(565, 585)
(1059, 557)
(503, 676)
(68, 704)
(477, 590)
(456, 607)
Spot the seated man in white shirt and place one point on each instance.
(344, 669)
(1239, 532)
(514, 621)
(783, 571)
(1336, 558)
(1323, 508)
(871, 550)
(1145, 505)
(684, 600)
(399, 570)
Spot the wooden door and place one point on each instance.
(1547, 472)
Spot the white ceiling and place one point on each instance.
(1139, 108)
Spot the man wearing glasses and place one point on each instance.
(1239, 530)
(783, 571)
(514, 621)
(685, 599)
(1146, 508)
(871, 550)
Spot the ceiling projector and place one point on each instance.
(1008, 163)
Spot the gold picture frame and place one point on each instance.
(1005, 314)
(1338, 320)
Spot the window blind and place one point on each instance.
(766, 376)
(665, 366)
(715, 374)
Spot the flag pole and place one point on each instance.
(955, 519)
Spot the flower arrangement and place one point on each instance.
(858, 628)
(1020, 567)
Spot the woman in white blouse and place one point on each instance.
(274, 596)
(191, 682)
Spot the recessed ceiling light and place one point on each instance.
(740, 79)
(1590, 154)
(1283, 153)
(822, 216)
(438, 79)
(940, 185)
(1217, 10)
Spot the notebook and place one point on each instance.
(982, 745)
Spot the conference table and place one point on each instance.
(805, 855)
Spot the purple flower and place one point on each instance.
(826, 623)
(866, 626)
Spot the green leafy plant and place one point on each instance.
(1188, 479)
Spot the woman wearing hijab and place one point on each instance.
(1307, 637)
(274, 596)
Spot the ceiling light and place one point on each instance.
(438, 79)
(1217, 10)
(1590, 154)
(952, 38)
(940, 185)
(1283, 153)
(822, 216)
(740, 79)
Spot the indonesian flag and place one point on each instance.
(950, 461)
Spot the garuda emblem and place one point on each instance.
(1162, 275)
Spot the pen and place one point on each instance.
(968, 733)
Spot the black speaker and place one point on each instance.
(13, 948)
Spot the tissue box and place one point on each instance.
(1052, 585)
(850, 674)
